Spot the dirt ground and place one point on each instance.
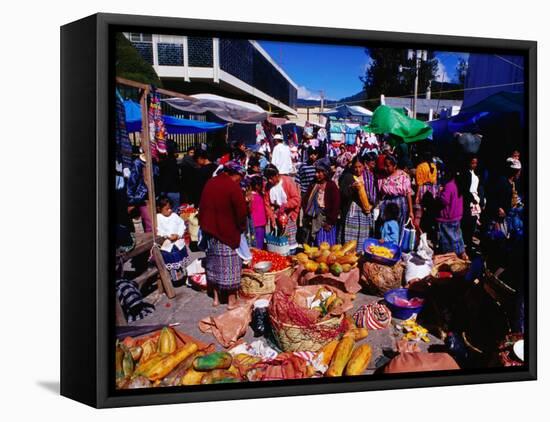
(190, 306)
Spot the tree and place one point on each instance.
(130, 64)
(461, 71)
(383, 76)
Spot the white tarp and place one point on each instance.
(227, 109)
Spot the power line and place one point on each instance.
(440, 92)
(509, 62)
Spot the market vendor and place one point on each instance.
(358, 222)
(282, 196)
(223, 216)
(321, 207)
(396, 188)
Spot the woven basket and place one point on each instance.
(293, 338)
(253, 283)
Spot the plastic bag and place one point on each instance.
(419, 264)
(408, 237)
(260, 318)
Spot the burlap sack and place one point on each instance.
(378, 278)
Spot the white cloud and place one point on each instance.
(306, 94)
(441, 74)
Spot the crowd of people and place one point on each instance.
(317, 191)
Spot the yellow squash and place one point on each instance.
(348, 247)
(167, 341)
(148, 350)
(359, 360)
(341, 356)
(327, 351)
(357, 333)
(163, 368)
(192, 377)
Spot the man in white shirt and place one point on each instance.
(282, 156)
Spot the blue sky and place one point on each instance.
(335, 69)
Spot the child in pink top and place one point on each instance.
(257, 210)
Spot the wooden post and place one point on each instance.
(165, 280)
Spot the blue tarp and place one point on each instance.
(349, 112)
(470, 119)
(490, 74)
(174, 125)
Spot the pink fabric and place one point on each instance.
(257, 210)
(397, 184)
(452, 203)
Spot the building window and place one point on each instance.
(136, 37)
(170, 54)
(200, 51)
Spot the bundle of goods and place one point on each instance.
(385, 253)
(159, 359)
(254, 283)
(403, 303)
(420, 362)
(418, 264)
(308, 318)
(190, 215)
(374, 316)
(336, 259)
(449, 264)
(379, 279)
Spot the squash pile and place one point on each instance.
(343, 357)
(159, 362)
(336, 259)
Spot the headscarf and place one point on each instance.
(235, 167)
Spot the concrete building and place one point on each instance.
(235, 68)
(426, 109)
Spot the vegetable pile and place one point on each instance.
(336, 259)
(380, 251)
(278, 262)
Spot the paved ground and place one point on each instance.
(190, 306)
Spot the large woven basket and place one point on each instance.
(253, 283)
(293, 338)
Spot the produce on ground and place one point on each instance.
(341, 356)
(325, 259)
(278, 262)
(359, 360)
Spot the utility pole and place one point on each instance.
(416, 69)
(322, 95)
(418, 56)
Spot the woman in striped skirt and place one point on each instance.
(223, 214)
(396, 188)
(358, 222)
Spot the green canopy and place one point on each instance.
(394, 121)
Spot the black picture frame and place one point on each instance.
(87, 311)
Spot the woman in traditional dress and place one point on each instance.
(321, 207)
(223, 216)
(282, 196)
(358, 222)
(396, 188)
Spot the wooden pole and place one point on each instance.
(166, 282)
